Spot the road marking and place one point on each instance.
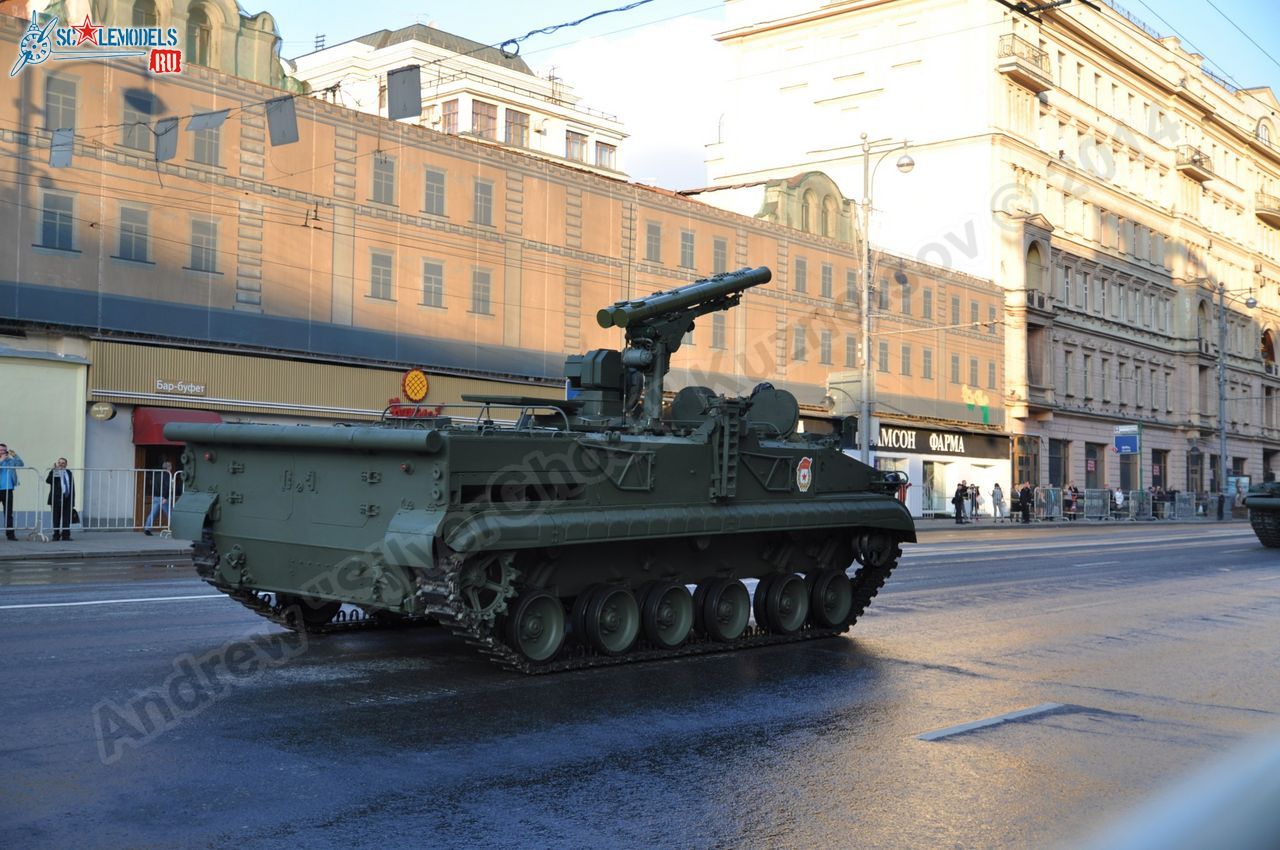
(1043, 708)
(1097, 563)
(110, 601)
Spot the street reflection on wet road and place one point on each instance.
(407, 738)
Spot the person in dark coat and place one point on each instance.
(62, 497)
(961, 496)
(1024, 501)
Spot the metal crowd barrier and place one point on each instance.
(106, 499)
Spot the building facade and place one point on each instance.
(1089, 166)
(468, 88)
(295, 282)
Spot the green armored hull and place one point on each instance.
(562, 534)
(1263, 503)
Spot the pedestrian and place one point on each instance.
(997, 502)
(62, 497)
(959, 499)
(9, 463)
(975, 501)
(1024, 501)
(1072, 502)
(159, 496)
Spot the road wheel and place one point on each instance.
(830, 599)
(667, 615)
(757, 601)
(611, 620)
(535, 627)
(786, 604)
(726, 610)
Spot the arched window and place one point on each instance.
(1202, 322)
(1268, 350)
(199, 36)
(828, 216)
(1035, 268)
(807, 204)
(144, 13)
(1264, 133)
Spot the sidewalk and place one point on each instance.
(93, 545)
(987, 525)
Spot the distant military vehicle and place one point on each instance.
(1263, 502)
(569, 536)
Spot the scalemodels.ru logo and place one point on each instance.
(95, 41)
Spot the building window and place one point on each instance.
(449, 117)
(138, 108)
(144, 13)
(206, 146)
(718, 331)
(850, 351)
(824, 347)
(686, 249)
(484, 119)
(826, 280)
(653, 242)
(134, 234)
(973, 371)
(199, 37)
(434, 202)
(59, 103)
(432, 284)
(926, 364)
(973, 313)
(381, 274)
(481, 288)
(991, 317)
(955, 368)
(882, 363)
(955, 309)
(57, 226)
(906, 360)
(483, 207)
(517, 130)
(798, 343)
(384, 180)
(882, 295)
(204, 245)
(926, 308)
(906, 297)
(575, 146)
(719, 256)
(851, 287)
(991, 375)
(800, 271)
(606, 155)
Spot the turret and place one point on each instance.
(656, 324)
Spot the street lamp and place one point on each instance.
(905, 164)
(829, 402)
(1249, 302)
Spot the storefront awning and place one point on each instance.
(149, 422)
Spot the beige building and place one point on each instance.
(1083, 162)
(296, 282)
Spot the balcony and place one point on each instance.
(1267, 208)
(1024, 63)
(1194, 163)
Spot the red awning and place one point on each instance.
(149, 422)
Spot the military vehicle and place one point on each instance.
(1263, 502)
(568, 535)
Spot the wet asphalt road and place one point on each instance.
(1161, 644)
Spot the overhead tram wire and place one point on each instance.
(1244, 33)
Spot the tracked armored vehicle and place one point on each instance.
(568, 535)
(1263, 503)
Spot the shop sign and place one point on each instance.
(956, 443)
(102, 410)
(179, 387)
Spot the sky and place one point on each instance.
(657, 67)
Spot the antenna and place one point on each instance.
(320, 41)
